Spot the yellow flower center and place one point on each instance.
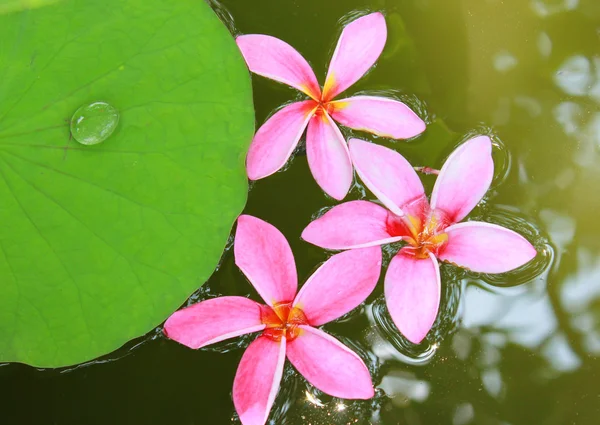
(282, 320)
(423, 235)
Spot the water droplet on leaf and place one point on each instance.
(94, 123)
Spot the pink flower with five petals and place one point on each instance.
(431, 230)
(288, 320)
(358, 48)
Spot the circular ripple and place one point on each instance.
(513, 220)
(445, 323)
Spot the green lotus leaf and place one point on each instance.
(100, 243)
(7, 6)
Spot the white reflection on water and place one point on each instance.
(403, 387)
(560, 355)
(492, 381)
(504, 61)
(385, 350)
(587, 154)
(544, 8)
(574, 76)
(560, 227)
(570, 116)
(463, 414)
(527, 319)
(580, 76)
(584, 127)
(580, 294)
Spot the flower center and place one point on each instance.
(423, 235)
(324, 107)
(282, 320)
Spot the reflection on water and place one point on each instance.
(520, 348)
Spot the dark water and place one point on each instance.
(521, 348)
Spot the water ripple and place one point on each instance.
(512, 219)
(445, 324)
(224, 15)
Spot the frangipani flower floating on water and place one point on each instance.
(288, 321)
(358, 48)
(430, 229)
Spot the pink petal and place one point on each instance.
(387, 174)
(340, 285)
(464, 178)
(378, 115)
(358, 48)
(328, 156)
(412, 294)
(354, 224)
(257, 380)
(329, 365)
(214, 320)
(275, 59)
(275, 141)
(265, 257)
(486, 248)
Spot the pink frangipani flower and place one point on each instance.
(358, 48)
(430, 229)
(288, 320)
